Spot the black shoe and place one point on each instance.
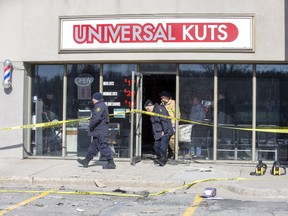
(155, 160)
(110, 165)
(83, 162)
(161, 161)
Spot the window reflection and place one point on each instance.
(234, 109)
(47, 94)
(158, 68)
(271, 108)
(196, 104)
(196, 87)
(196, 80)
(117, 95)
(82, 82)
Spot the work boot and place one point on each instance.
(155, 160)
(84, 162)
(110, 164)
(161, 161)
(102, 158)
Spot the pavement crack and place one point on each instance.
(47, 168)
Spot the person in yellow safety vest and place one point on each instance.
(169, 103)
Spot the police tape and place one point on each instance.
(47, 192)
(189, 185)
(53, 123)
(267, 129)
(128, 194)
(44, 124)
(146, 194)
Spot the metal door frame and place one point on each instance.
(136, 117)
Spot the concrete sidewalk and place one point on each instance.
(145, 175)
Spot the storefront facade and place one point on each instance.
(62, 52)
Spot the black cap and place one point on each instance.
(148, 103)
(165, 93)
(97, 96)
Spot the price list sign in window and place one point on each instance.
(117, 95)
(117, 87)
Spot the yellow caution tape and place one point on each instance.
(44, 124)
(45, 193)
(186, 186)
(57, 123)
(51, 124)
(269, 130)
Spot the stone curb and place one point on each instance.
(88, 183)
(256, 192)
(74, 182)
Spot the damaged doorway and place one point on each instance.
(153, 84)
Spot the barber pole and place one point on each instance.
(7, 73)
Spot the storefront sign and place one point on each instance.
(110, 93)
(84, 80)
(155, 34)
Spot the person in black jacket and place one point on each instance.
(98, 126)
(162, 130)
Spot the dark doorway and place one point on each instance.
(153, 84)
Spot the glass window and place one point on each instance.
(196, 105)
(271, 107)
(47, 94)
(82, 82)
(162, 68)
(234, 109)
(117, 94)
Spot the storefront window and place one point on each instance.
(82, 82)
(234, 111)
(47, 94)
(117, 94)
(272, 111)
(162, 68)
(196, 105)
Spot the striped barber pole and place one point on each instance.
(7, 73)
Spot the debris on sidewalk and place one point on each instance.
(62, 188)
(99, 184)
(209, 192)
(143, 193)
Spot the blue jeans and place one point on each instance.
(197, 152)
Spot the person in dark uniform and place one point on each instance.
(99, 131)
(162, 130)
